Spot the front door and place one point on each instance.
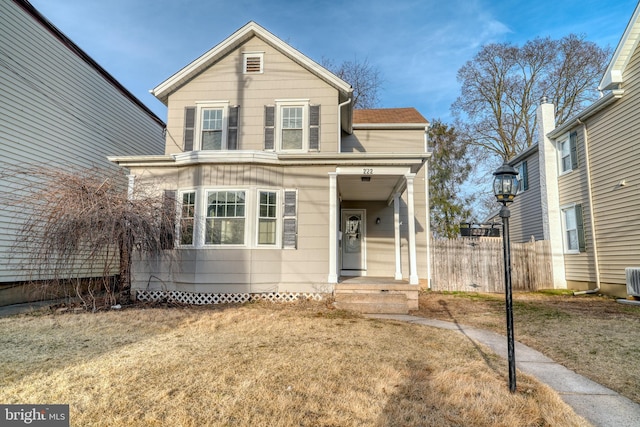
(353, 243)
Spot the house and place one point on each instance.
(589, 176)
(282, 187)
(58, 108)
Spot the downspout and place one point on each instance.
(592, 220)
(348, 101)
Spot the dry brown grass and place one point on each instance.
(262, 365)
(592, 335)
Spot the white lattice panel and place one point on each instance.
(230, 298)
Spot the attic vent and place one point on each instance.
(253, 63)
(633, 281)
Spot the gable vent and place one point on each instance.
(633, 281)
(253, 63)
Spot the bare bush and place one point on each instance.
(79, 226)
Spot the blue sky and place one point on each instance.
(418, 45)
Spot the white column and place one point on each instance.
(549, 200)
(411, 218)
(396, 233)
(333, 228)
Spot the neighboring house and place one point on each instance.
(283, 188)
(58, 107)
(589, 179)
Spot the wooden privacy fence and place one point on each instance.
(477, 265)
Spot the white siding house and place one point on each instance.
(58, 107)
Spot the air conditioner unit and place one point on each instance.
(633, 281)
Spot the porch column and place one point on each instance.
(396, 232)
(333, 228)
(411, 218)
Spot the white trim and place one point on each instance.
(623, 53)
(411, 218)
(563, 210)
(210, 105)
(179, 202)
(396, 235)
(291, 103)
(278, 218)
(247, 214)
(566, 138)
(333, 228)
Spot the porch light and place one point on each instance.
(505, 183)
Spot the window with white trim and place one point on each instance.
(567, 153)
(267, 217)
(523, 176)
(573, 228)
(211, 125)
(225, 218)
(187, 217)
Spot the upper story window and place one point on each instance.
(292, 125)
(253, 62)
(211, 126)
(523, 176)
(567, 153)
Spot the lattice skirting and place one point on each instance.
(229, 298)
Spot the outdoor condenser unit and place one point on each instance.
(633, 281)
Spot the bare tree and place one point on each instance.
(363, 77)
(80, 227)
(503, 83)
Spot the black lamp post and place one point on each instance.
(505, 188)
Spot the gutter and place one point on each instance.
(348, 101)
(592, 220)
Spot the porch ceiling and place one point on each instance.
(379, 188)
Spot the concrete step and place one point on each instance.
(372, 303)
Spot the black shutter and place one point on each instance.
(232, 128)
(314, 127)
(189, 127)
(269, 126)
(289, 222)
(525, 177)
(573, 137)
(582, 246)
(168, 224)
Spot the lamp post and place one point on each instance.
(505, 188)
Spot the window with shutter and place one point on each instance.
(523, 176)
(573, 138)
(289, 221)
(189, 127)
(314, 127)
(573, 225)
(269, 127)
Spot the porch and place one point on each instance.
(376, 295)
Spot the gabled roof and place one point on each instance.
(623, 53)
(251, 29)
(388, 116)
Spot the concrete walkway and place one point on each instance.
(599, 405)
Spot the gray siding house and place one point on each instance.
(282, 188)
(58, 107)
(589, 177)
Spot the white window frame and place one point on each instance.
(564, 210)
(246, 55)
(211, 105)
(277, 218)
(521, 177)
(247, 214)
(179, 207)
(283, 103)
(560, 144)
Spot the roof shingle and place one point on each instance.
(388, 115)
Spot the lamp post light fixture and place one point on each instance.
(505, 188)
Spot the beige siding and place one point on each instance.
(526, 210)
(614, 139)
(384, 141)
(573, 189)
(282, 79)
(58, 110)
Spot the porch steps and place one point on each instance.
(372, 303)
